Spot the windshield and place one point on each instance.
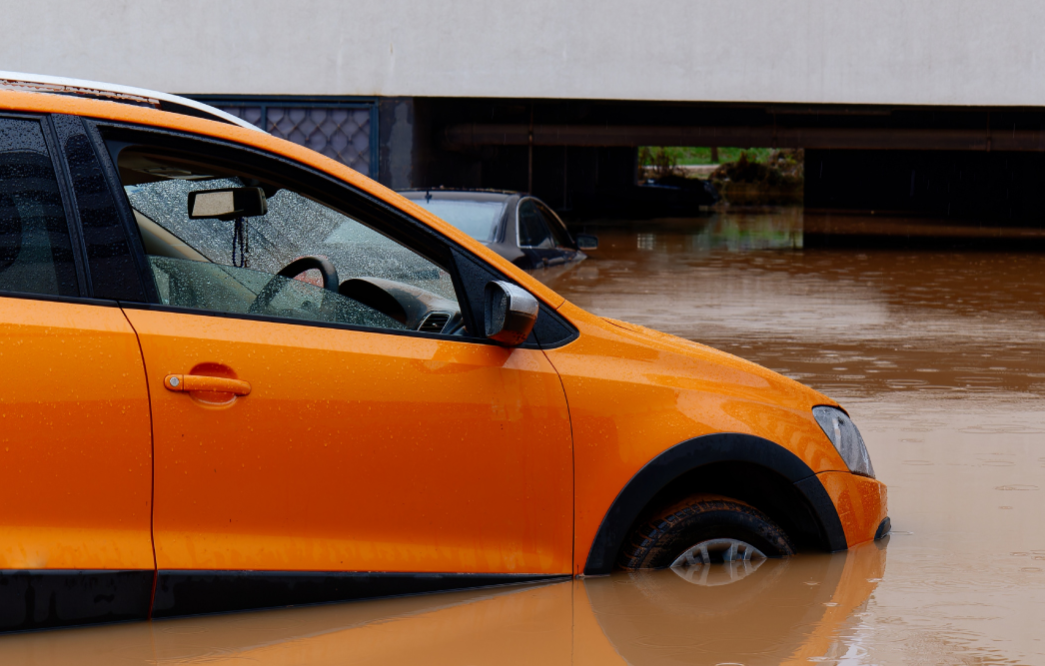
(478, 219)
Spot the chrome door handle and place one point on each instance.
(192, 383)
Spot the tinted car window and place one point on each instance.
(35, 250)
(533, 232)
(478, 219)
(560, 236)
(113, 271)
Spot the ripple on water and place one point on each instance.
(1003, 429)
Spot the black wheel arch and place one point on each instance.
(732, 464)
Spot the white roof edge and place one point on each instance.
(18, 77)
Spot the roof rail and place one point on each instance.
(56, 85)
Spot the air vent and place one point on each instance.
(434, 323)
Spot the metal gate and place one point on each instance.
(344, 130)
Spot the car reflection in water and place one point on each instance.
(772, 611)
(520, 228)
(804, 609)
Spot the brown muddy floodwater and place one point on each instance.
(940, 359)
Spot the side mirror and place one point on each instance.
(509, 313)
(227, 204)
(587, 242)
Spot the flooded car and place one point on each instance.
(520, 228)
(240, 375)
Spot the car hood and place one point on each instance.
(757, 382)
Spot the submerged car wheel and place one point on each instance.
(704, 529)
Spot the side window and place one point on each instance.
(35, 250)
(533, 232)
(560, 236)
(281, 254)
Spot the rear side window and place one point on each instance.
(559, 233)
(533, 232)
(113, 273)
(35, 250)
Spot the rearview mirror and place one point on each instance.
(509, 313)
(227, 204)
(587, 242)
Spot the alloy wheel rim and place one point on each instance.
(718, 550)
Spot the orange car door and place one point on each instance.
(75, 446)
(301, 430)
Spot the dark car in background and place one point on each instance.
(519, 227)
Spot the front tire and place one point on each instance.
(660, 541)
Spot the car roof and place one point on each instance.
(460, 195)
(56, 85)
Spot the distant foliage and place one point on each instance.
(658, 162)
(689, 156)
(746, 176)
(777, 179)
(781, 169)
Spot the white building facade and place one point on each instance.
(927, 52)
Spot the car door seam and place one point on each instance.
(573, 468)
(152, 465)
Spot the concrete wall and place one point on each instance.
(947, 52)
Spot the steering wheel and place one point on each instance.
(290, 271)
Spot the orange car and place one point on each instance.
(188, 428)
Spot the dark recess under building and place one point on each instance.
(970, 165)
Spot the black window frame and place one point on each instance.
(111, 184)
(367, 209)
(72, 220)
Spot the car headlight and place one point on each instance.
(840, 429)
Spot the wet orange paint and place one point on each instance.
(860, 501)
(635, 393)
(356, 451)
(75, 442)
